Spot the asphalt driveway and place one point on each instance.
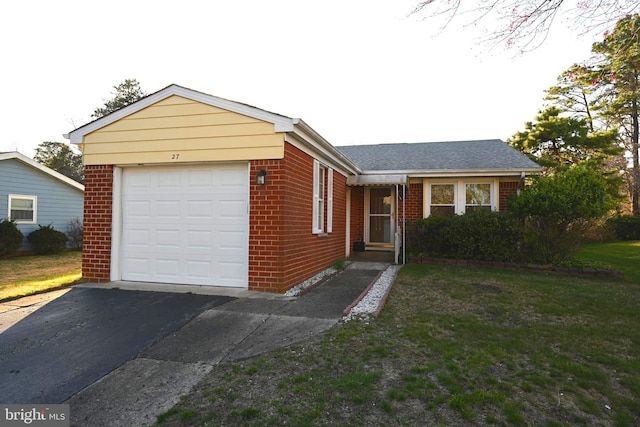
(78, 338)
(120, 357)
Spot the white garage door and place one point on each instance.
(186, 225)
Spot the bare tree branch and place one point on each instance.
(525, 25)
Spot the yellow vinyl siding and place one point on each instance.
(179, 156)
(178, 130)
(190, 144)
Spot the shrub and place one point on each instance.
(484, 236)
(75, 233)
(560, 210)
(47, 240)
(10, 237)
(627, 227)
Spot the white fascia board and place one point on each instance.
(308, 140)
(42, 168)
(452, 173)
(281, 123)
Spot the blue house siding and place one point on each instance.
(57, 202)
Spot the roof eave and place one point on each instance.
(437, 173)
(281, 123)
(306, 133)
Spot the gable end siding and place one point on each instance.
(177, 130)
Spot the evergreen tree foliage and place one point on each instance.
(557, 142)
(61, 158)
(126, 93)
(617, 74)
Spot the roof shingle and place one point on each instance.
(490, 154)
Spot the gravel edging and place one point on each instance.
(372, 300)
(304, 287)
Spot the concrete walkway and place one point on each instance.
(248, 325)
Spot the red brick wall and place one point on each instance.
(266, 224)
(356, 216)
(507, 189)
(98, 198)
(413, 202)
(283, 251)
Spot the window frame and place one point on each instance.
(34, 199)
(460, 187)
(455, 196)
(467, 205)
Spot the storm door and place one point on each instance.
(379, 207)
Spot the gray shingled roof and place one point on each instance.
(490, 154)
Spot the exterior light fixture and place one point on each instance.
(261, 178)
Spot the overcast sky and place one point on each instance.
(357, 71)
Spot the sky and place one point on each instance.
(357, 71)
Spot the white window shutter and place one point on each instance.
(316, 196)
(330, 200)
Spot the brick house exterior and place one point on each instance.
(316, 202)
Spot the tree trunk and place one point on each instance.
(635, 190)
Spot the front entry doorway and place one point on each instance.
(380, 218)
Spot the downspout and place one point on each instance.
(404, 224)
(520, 183)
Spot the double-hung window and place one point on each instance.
(23, 209)
(456, 197)
(443, 199)
(477, 197)
(322, 198)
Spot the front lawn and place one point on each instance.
(623, 256)
(26, 275)
(453, 346)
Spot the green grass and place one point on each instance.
(27, 275)
(453, 346)
(623, 256)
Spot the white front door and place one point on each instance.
(380, 217)
(186, 225)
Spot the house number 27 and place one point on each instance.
(175, 156)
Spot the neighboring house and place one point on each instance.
(32, 194)
(188, 188)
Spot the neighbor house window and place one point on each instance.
(322, 198)
(461, 196)
(23, 209)
(443, 199)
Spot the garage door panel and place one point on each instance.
(199, 209)
(167, 209)
(186, 224)
(200, 239)
(198, 269)
(167, 267)
(139, 208)
(168, 239)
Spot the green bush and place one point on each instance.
(560, 210)
(627, 227)
(47, 240)
(10, 237)
(483, 236)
